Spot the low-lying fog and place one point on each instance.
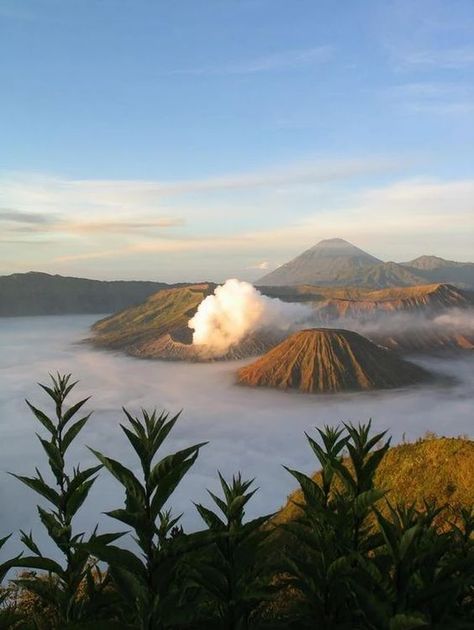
(254, 431)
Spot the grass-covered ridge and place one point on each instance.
(433, 468)
(136, 329)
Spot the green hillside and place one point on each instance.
(136, 329)
(433, 468)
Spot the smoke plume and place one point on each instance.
(237, 309)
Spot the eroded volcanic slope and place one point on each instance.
(425, 339)
(158, 329)
(336, 302)
(321, 360)
(401, 318)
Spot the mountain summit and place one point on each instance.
(332, 261)
(335, 262)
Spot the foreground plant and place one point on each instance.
(419, 577)
(352, 560)
(233, 574)
(148, 582)
(68, 588)
(334, 527)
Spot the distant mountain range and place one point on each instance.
(335, 262)
(37, 293)
(331, 263)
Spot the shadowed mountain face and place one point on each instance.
(432, 268)
(322, 360)
(338, 263)
(42, 294)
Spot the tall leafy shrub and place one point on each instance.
(69, 586)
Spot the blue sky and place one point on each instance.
(192, 139)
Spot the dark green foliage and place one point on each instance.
(334, 529)
(147, 581)
(415, 574)
(232, 575)
(68, 588)
(353, 567)
(348, 560)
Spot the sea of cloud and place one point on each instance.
(254, 431)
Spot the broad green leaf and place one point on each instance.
(55, 458)
(43, 418)
(311, 490)
(122, 474)
(39, 486)
(27, 540)
(210, 518)
(80, 476)
(73, 410)
(77, 498)
(36, 562)
(168, 465)
(73, 431)
(117, 557)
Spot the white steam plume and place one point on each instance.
(237, 309)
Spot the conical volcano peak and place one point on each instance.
(328, 242)
(329, 360)
(338, 246)
(330, 261)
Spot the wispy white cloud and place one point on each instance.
(432, 97)
(439, 57)
(282, 60)
(91, 227)
(408, 216)
(92, 202)
(40, 224)
(265, 265)
(12, 216)
(413, 217)
(127, 225)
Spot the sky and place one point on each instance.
(206, 139)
